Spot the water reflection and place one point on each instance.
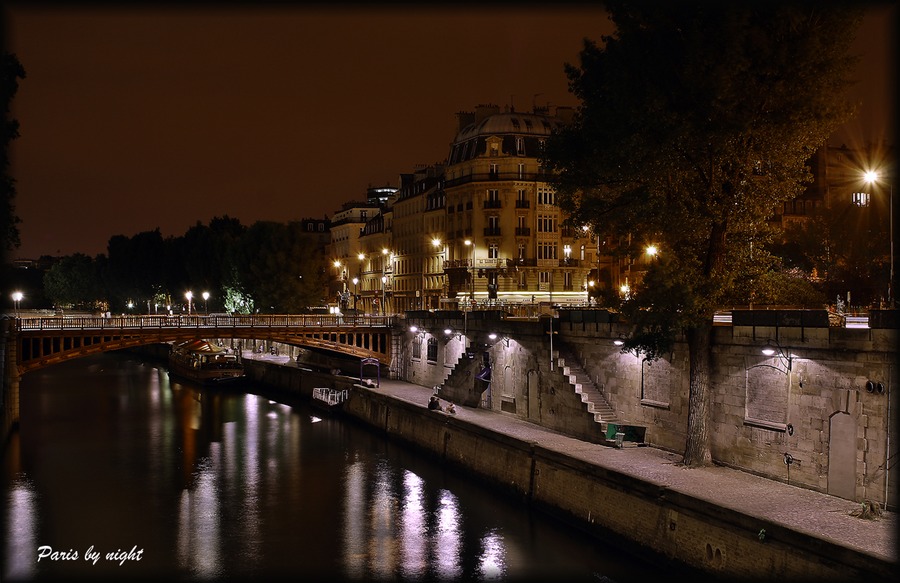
(20, 530)
(212, 484)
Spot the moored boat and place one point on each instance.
(329, 399)
(200, 361)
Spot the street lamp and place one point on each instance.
(469, 242)
(872, 177)
(436, 243)
(206, 302)
(383, 284)
(355, 289)
(189, 296)
(17, 297)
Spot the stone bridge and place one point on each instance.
(40, 342)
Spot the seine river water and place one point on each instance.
(119, 473)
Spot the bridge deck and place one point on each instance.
(44, 341)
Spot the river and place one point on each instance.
(119, 473)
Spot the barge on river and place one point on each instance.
(205, 363)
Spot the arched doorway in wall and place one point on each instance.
(842, 455)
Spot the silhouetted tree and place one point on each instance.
(74, 281)
(206, 250)
(137, 269)
(696, 122)
(279, 266)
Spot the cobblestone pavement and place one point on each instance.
(812, 513)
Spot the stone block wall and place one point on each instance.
(815, 424)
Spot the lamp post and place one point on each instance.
(872, 177)
(206, 302)
(362, 257)
(438, 249)
(355, 289)
(469, 242)
(189, 296)
(17, 297)
(387, 274)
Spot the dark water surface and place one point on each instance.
(165, 480)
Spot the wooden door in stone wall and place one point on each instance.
(842, 455)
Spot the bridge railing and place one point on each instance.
(201, 322)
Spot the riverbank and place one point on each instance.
(724, 522)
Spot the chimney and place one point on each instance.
(464, 119)
(483, 111)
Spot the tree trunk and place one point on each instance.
(697, 446)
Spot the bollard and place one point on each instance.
(620, 438)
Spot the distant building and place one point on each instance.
(484, 226)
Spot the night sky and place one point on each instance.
(133, 119)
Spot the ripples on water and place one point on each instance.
(208, 485)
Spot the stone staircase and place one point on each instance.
(596, 404)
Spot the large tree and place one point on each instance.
(74, 281)
(280, 267)
(696, 121)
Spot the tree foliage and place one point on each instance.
(279, 266)
(696, 122)
(74, 281)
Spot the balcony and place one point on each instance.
(493, 204)
(523, 231)
(523, 204)
(492, 231)
(499, 177)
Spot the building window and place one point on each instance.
(417, 348)
(521, 250)
(547, 250)
(520, 146)
(495, 170)
(493, 251)
(545, 196)
(492, 200)
(432, 350)
(546, 224)
(521, 170)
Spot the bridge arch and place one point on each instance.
(42, 342)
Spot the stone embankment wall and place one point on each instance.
(821, 417)
(620, 509)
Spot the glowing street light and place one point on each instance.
(206, 302)
(17, 297)
(190, 297)
(652, 250)
(872, 177)
(469, 242)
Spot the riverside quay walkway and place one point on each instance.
(750, 528)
